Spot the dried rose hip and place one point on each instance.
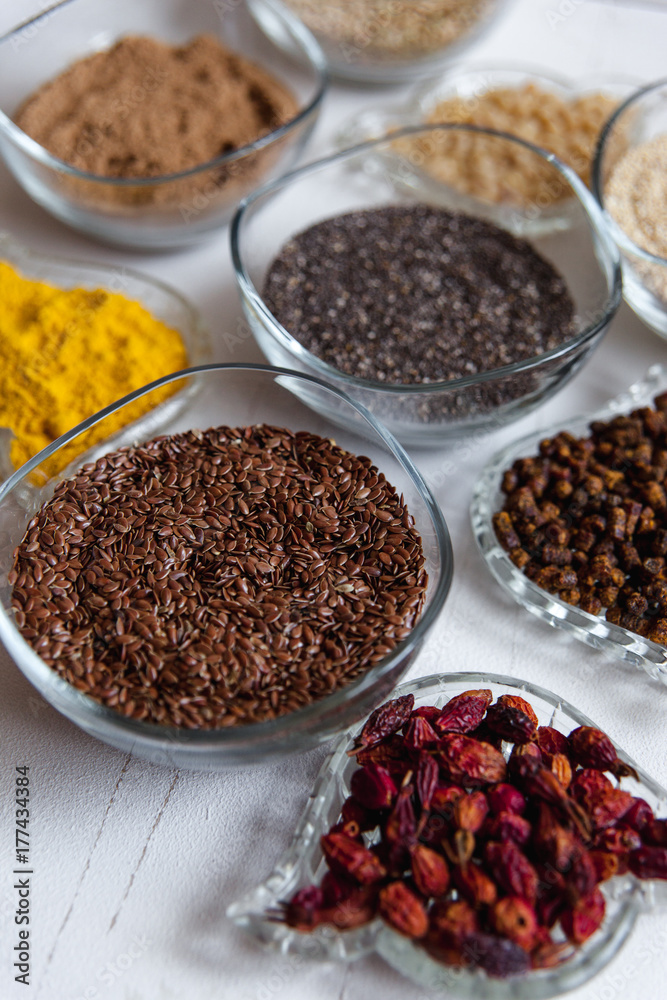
(403, 910)
(464, 712)
(512, 718)
(467, 762)
(514, 918)
(478, 861)
(352, 859)
(373, 787)
(506, 798)
(385, 720)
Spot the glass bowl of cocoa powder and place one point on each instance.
(144, 124)
(242, 587)
(630, 182)
(444, 311)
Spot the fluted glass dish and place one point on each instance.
(389, 171)
(640, 120)
(488, 498)
(233, 395)
(303, 864)
(162, 301)
(167, 211)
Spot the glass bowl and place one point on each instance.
(389, 171)
(594, 630)
(634, 222)
(467, 84)
(163, 301)
(387, 42)
(236, 395)
(303, 865)
(166, 211)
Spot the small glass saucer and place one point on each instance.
(594, 630)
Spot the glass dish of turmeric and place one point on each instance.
(75, 337)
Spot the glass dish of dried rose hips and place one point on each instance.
(572, 522)
(477, 832)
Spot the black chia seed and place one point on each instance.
(414, 294)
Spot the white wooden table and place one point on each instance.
(134, 865)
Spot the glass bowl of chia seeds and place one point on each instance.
(381, 41)
(242, 587)
(444, 313)
(629, 181)
(136, 157)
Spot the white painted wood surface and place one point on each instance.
(134, 865)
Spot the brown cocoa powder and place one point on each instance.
(146, 109)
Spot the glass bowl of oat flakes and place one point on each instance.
(144, 124)
(241, 587)
(630, 182)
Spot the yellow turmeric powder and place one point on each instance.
(67, 353)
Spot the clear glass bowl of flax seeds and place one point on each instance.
(318, 556)
(144, 124)
(444, 310)
(630, 182)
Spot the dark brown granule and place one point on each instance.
(417, 295)
(213, 578)
(586, 519)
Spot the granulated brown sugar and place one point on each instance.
(146, 109)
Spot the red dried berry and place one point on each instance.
(654, 832)
(618, 840)
(384, 721)
(350, 858)
(444, 799)
(470, 811)
(353, 812)
(391, 753)
(498, 956)
(508, 826)
(638, 815)
(511, 870)
(649, 862)
(465, 761)
(512, 718)
(304, 909)
(475, 885)
(428, 712)
(515, 919)
(402, 910)
(605, 864)
(430, 871)
(464, 711)
(551, 742)
(426, 779)
(373, 787)
(590, 747)
(580, 921)
(606, 807)
(419, 733)
(506, 798)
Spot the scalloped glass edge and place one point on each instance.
(302, 864)
(594, 630)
